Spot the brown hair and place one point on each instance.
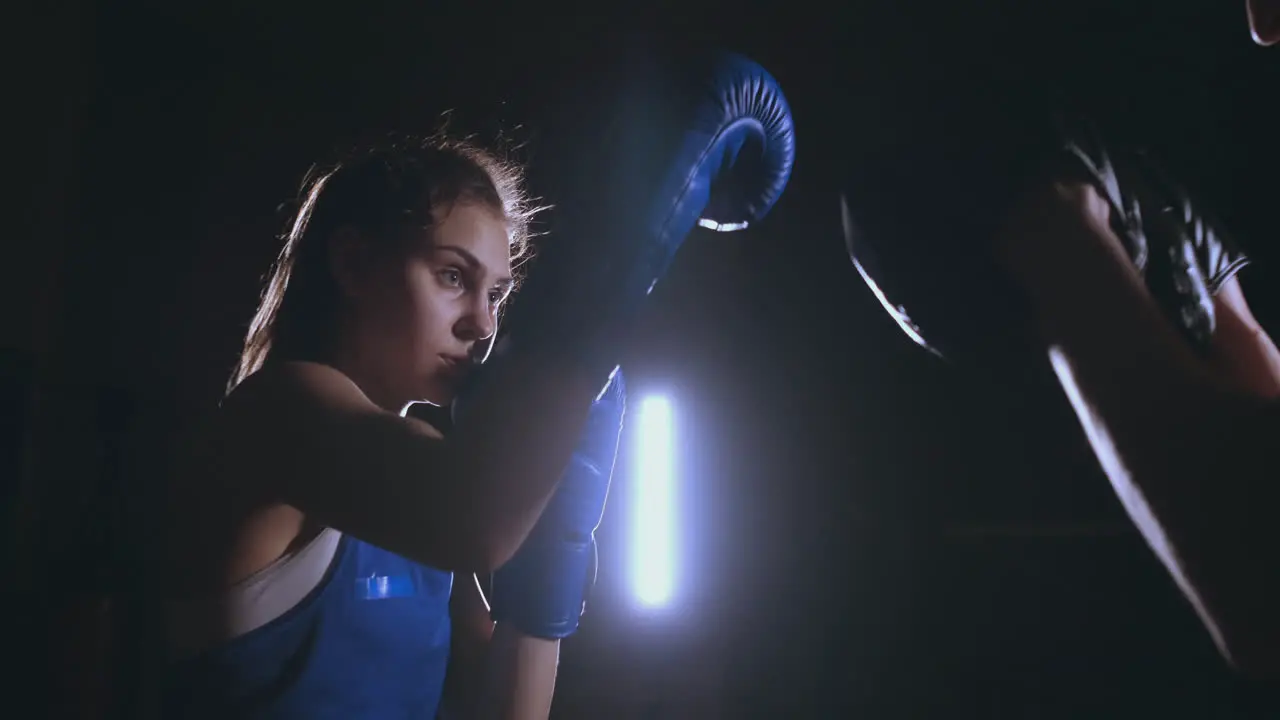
(374, 189)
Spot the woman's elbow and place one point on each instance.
(474, 534)
(499, 546)
(482, 548)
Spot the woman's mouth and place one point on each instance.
(456, 365)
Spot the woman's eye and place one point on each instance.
(495, 297)
(451, 277)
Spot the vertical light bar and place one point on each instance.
(653, 504)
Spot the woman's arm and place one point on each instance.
(472, 634)
(520, 676)
(496, 674)
(1187, 452)
(463, 504)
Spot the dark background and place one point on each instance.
(866, 532)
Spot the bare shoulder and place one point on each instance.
(308, 439)
(288, 397)
(230, 515)
(285, 385)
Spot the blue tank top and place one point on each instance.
(370, 641)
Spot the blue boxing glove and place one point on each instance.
(675, 144)
(541, 590)
(661, 145)
(664, 146)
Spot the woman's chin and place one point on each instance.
(438, 393)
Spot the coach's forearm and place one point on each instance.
(520, 676)
(1187, 457)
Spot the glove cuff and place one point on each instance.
(542, 590)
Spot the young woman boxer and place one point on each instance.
(323, 546)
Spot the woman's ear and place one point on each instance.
(349, 260)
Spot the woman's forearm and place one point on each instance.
(519, 676)
(511, 445)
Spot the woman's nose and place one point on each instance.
(486, 324)
(478, 322)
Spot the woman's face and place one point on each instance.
(1264, 21)
(416, 313)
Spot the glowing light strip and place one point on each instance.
(653, 504)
